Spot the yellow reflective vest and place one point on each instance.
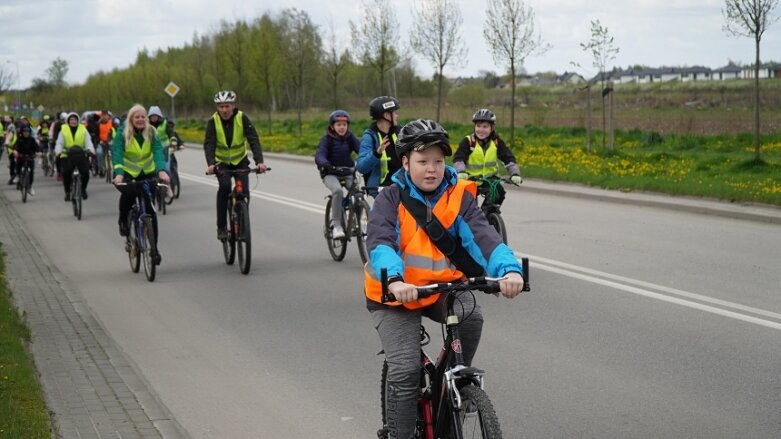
(384, 159)
(71, 141)
(237, 151)
(137, 159)
(482, 162)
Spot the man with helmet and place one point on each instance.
(73, 143)
(377, 159)
(395, 242)
(479, 153)
(26, 147)
(335, 149)
(229, 133)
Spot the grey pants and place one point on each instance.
(399, 330)
(333, 185)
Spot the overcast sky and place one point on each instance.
(97, 35)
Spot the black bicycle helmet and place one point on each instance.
(484, 115)
(419, 135)
(383, 104)
(338, 115)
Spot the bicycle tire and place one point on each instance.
(361, 212)
(133, 253)
(498, 223)
(76, 197)
(149, 248)
(229, 247)
(173, 183)
(337, 247)
(25, 177)
(107, 166)
(175, 178)
(161, 204)
(477, 414)
(244, 238)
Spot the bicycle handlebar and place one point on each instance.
(488, 285)
(218, 170)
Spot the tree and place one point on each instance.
(750, 18)
(335, 61)
(376, 37)
(7, 79)
(266, 58)
(56, 73)
(303, 51)
(435, 35)
(511, 37)
(602, 49)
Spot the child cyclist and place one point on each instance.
(478, 152)
(396, 243)
(335, 150)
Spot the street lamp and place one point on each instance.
(18, 84)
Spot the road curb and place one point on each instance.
(90, 387)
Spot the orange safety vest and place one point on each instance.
(105, 129)
(423, 262)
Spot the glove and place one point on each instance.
(327, 167)
(463, 176)
(516, 179)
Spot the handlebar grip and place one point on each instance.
(525, 265)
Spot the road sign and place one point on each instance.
(41, 108)
(171, 89)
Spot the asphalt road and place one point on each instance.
(642, 322)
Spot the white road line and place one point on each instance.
(622, 283)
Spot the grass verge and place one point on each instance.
(23, 413)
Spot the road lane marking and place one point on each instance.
(666, 294)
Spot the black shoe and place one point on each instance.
(123, 229)
(84, 195)
(11, 181)
(67, 196)
(156, 258)
(222, 234)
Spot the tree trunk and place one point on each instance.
(612, 133)
(439, 93)
(512, 103)
(756, 104)
(588, 118)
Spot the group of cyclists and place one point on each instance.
(416, 194)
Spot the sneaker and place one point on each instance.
(338, 232)
(31, 192)
(156, 258)
(12, 181)
(123, 229)
(84, 195)
(67, 196)
(222, 234)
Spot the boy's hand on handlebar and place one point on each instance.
(512, 285)
(404, 292)
(261, 167)
(516, 179)
(163, 176)
(210, 170)
(119, 179)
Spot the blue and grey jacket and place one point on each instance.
(471, 228)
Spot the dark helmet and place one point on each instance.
(338, 115)
(419, 135)
(27, 129)
(484, 115)
(383, 104)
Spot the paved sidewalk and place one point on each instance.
(90, 388)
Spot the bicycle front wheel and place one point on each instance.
(477, 417)
(496, 220)
(133, 253)
(25, 185)
(229, 248)
(337, 247)
(76, 197)
(361, 223)
(149, 248)
(161, 194)
(244, 238)
(176, 184)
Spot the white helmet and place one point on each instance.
(225, 97)
(63, 115)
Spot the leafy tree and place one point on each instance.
(266, 58)
(376, 37)
(510, 33)
(435, 35)
(750, 18)
(56, 72)
(303, 50)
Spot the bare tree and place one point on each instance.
(303, 49)
(56, 72)
(435, 35)
(601, 46)
(334, 62)
(510, 34)
(750, 18)
(7, 79)
(376, 37)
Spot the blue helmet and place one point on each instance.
(338, 115)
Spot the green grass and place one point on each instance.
(720, 166)
(23, 412)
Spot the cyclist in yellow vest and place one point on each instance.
(397, 243)
(480, 153)
(229, 134)
(10, 139)
(73, 145)
(377, 159)
(137, 155)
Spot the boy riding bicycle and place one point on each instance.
(335, 150)
(479, 153)
(397, 243)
